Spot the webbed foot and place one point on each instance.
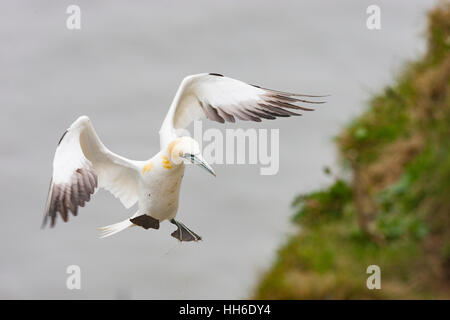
(146, 222)
(183, 233)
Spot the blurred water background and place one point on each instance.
(122, 70)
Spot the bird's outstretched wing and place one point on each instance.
(81, 164)
(224, 99)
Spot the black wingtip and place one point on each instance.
(215, 74)
(44, 222)
(62, 137)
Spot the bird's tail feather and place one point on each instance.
(114, 228)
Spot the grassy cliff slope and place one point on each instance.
(394, 212)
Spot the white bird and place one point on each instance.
(82, 163)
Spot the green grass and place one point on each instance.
(387, 120)
(404, 138)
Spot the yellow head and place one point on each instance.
(186, 150)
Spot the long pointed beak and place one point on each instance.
(198, 160)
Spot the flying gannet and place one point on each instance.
(82, 163)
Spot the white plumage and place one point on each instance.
(82, 163)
